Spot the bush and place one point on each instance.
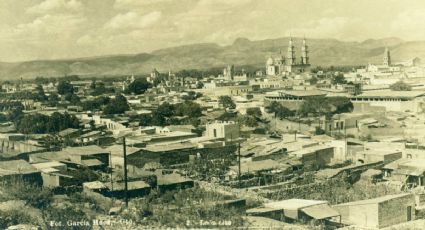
(14, 217)
(319, 131)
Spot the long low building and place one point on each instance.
(293, 99)
(399, 101)
(19, 169)
(378, 212)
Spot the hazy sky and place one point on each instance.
(49, 29)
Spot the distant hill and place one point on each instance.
(242, 52)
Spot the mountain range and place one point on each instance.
(242, 52)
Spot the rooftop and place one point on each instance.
(375, 200)
(294, 204)
(169, 146)
(131, 185)
(310, 149)
(117, 150)
(391, 94)
(253, 166)
(16, 167)
(89, 134)
(380, 152)
(173, 178)
(84, 150)
(67, 132)
(303, 93)
(50, 164)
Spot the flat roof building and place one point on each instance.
(378, 212)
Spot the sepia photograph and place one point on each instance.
(212, 114)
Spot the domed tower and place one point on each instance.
(270, 67)
(280, 63)
(304, 53)
(290, 55)
(269, 61)
(387, 57)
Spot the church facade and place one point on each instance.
(281, 65)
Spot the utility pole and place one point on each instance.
(125, 172)
(345, 137)
(275, 122)
(239, 164)
(299, 123)
(111, 172)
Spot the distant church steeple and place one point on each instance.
(290, 55)
(304, 53)
(387, 57)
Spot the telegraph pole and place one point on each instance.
(111, 172)
(345, 137)
(239, 164)
(125, 172)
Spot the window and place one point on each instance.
(215, 132)
(409, 213)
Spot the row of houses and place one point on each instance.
(373, 213)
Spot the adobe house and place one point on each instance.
(315, 157)
(379, 212)
(54, 174)
(173, 181)
(376, 155)
(19, 169)
(407, 171)
(137, 188)
(91, 156)
(298, 209)
(176, 153)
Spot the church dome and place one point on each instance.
(270, 61)
(279, 59)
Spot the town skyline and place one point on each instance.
(64, 29)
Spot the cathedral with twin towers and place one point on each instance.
(281, 65)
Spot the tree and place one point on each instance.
(95, 104)
(98, 88)
(319, 131)
(39, 93)
(227, 102)
(138, 86)
(188, 108)
(191, 95)
(15, 217)
(117, 105)
(313, 80)
(39, 123)
(15, 115)
(41, 80)
(64, 87)
(53, 99)
(199, 85)
(72, 98)
(339, 79)
(249, 121)
(228, 116)
(93, 84)
(165, 109)
(279, 110)
(92, 124)
(318, 106)
(400, 86)
(33, 123)
(145, 120)
(162, 114)
(256, 112)
(341, 104)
